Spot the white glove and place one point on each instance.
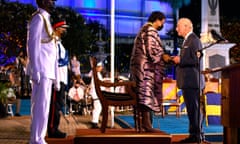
(57, 85)
(36, 77)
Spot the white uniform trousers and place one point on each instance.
(97, 108)
(40, 103)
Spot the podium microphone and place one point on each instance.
(217, 36)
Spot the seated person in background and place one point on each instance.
(75, 66)
(14, 88)
(97, 107)
(76, 96)
(12, 99)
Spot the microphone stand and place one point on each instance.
(200, 117)
(200, 91)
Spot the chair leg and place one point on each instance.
(140, 125)
(163, 111)
(137, 119)
(104, 119)
(178, 111)
(70, 108)
(9, 109)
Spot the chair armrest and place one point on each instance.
(11, 100)
(117, 96)
(128, 85)
(115, 84)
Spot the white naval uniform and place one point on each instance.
(62, 69)
(97, 107)
(42, 54)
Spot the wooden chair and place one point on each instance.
(170, 97)
(9, 106)
(213, 108)
(115, 99)
(212, 101)
(212, 85)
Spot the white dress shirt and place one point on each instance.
(72, 92)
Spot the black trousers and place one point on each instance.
(56, 105)
(195, 112)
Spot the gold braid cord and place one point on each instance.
(51, 36)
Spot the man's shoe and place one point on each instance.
(205, 142)
(94, 125)
(190, 139)
(17, 114)
(57, 134)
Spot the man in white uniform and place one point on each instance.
(42, 68)
(57, 99)
(97, 107)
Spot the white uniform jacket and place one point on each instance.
(42, 50)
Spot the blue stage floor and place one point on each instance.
(170, 123)
(173, 125)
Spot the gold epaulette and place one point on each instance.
(51, 36)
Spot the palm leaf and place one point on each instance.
(3, 92)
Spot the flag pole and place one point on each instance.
(112, 52)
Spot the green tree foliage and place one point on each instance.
(78, 37)
(13, 28)
(230, 29)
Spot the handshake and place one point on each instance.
(170, 59)
(167, 58)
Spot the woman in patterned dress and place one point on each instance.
(147, 67)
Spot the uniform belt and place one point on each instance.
(95, 99)
(46, 40)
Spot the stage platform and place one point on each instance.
(125, 136)
(17, 130)
(113, 136)
(120, 136)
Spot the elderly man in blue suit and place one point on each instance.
(190, 80)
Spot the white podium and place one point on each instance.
(217, 56)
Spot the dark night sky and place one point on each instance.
(229, 8)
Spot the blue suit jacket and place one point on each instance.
(187, 71)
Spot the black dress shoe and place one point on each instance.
(57, 134)
(17, 114)
(94, 125)
(205, 142)
(190, 139)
